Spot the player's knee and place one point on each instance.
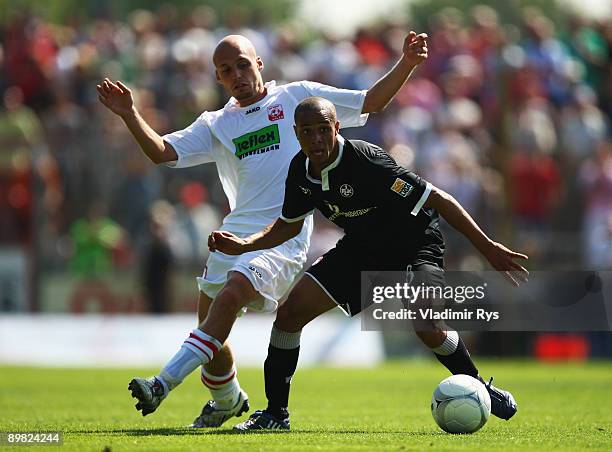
(430, 333)
(231, 298)
(290, 317)
(237, 292)
(422, 326)
(283, 317)
(426, 327)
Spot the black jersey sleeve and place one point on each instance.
(393, 184)
(298, 198)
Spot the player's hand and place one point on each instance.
(116, 97)
(503, 259)
(415, 48)
(226, 242)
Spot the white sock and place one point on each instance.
(224, 389)
(284, 339)
(199, 348)
(449, 346)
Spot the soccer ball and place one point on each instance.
(460, 404)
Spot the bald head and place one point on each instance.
(316, 105)
(234, 44)
(238, 69)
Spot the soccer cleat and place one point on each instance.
(262, 420)
(212, 416)
(149, 392)
(503, 404)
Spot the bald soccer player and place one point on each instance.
(391, 223)
(258, 143)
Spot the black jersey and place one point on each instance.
(366, 193)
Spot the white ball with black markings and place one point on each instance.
(460, 404)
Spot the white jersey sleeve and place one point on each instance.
(193, 145)
(348, 103)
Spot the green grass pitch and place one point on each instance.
(561, 407)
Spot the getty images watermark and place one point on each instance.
(486, 301)
(424, 299)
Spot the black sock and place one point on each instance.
(279, 367)
(459, 362)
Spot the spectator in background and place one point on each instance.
(133, 197)
(582, 125)
(194, 218)
(96, 241)
(157, 261)
(536, 185)
(68, 131)
(16, 169)
(288, 62)
(596, 180)
(24, 164)
(534, 175)
(29, 51)
(591, 45)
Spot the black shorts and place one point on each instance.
(338, 271)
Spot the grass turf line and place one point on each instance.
(562, 407)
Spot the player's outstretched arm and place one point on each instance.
(500, 257)
(272, 235)
(118, 98)
(414, 52)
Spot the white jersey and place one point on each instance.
(258, 145)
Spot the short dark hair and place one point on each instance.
(314, 104)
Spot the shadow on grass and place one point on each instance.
(215, 432)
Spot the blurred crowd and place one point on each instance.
(512, 119)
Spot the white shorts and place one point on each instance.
(271, 271)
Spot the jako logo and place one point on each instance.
(252, 110)
(254, 270)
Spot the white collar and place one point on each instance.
(324, 172)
